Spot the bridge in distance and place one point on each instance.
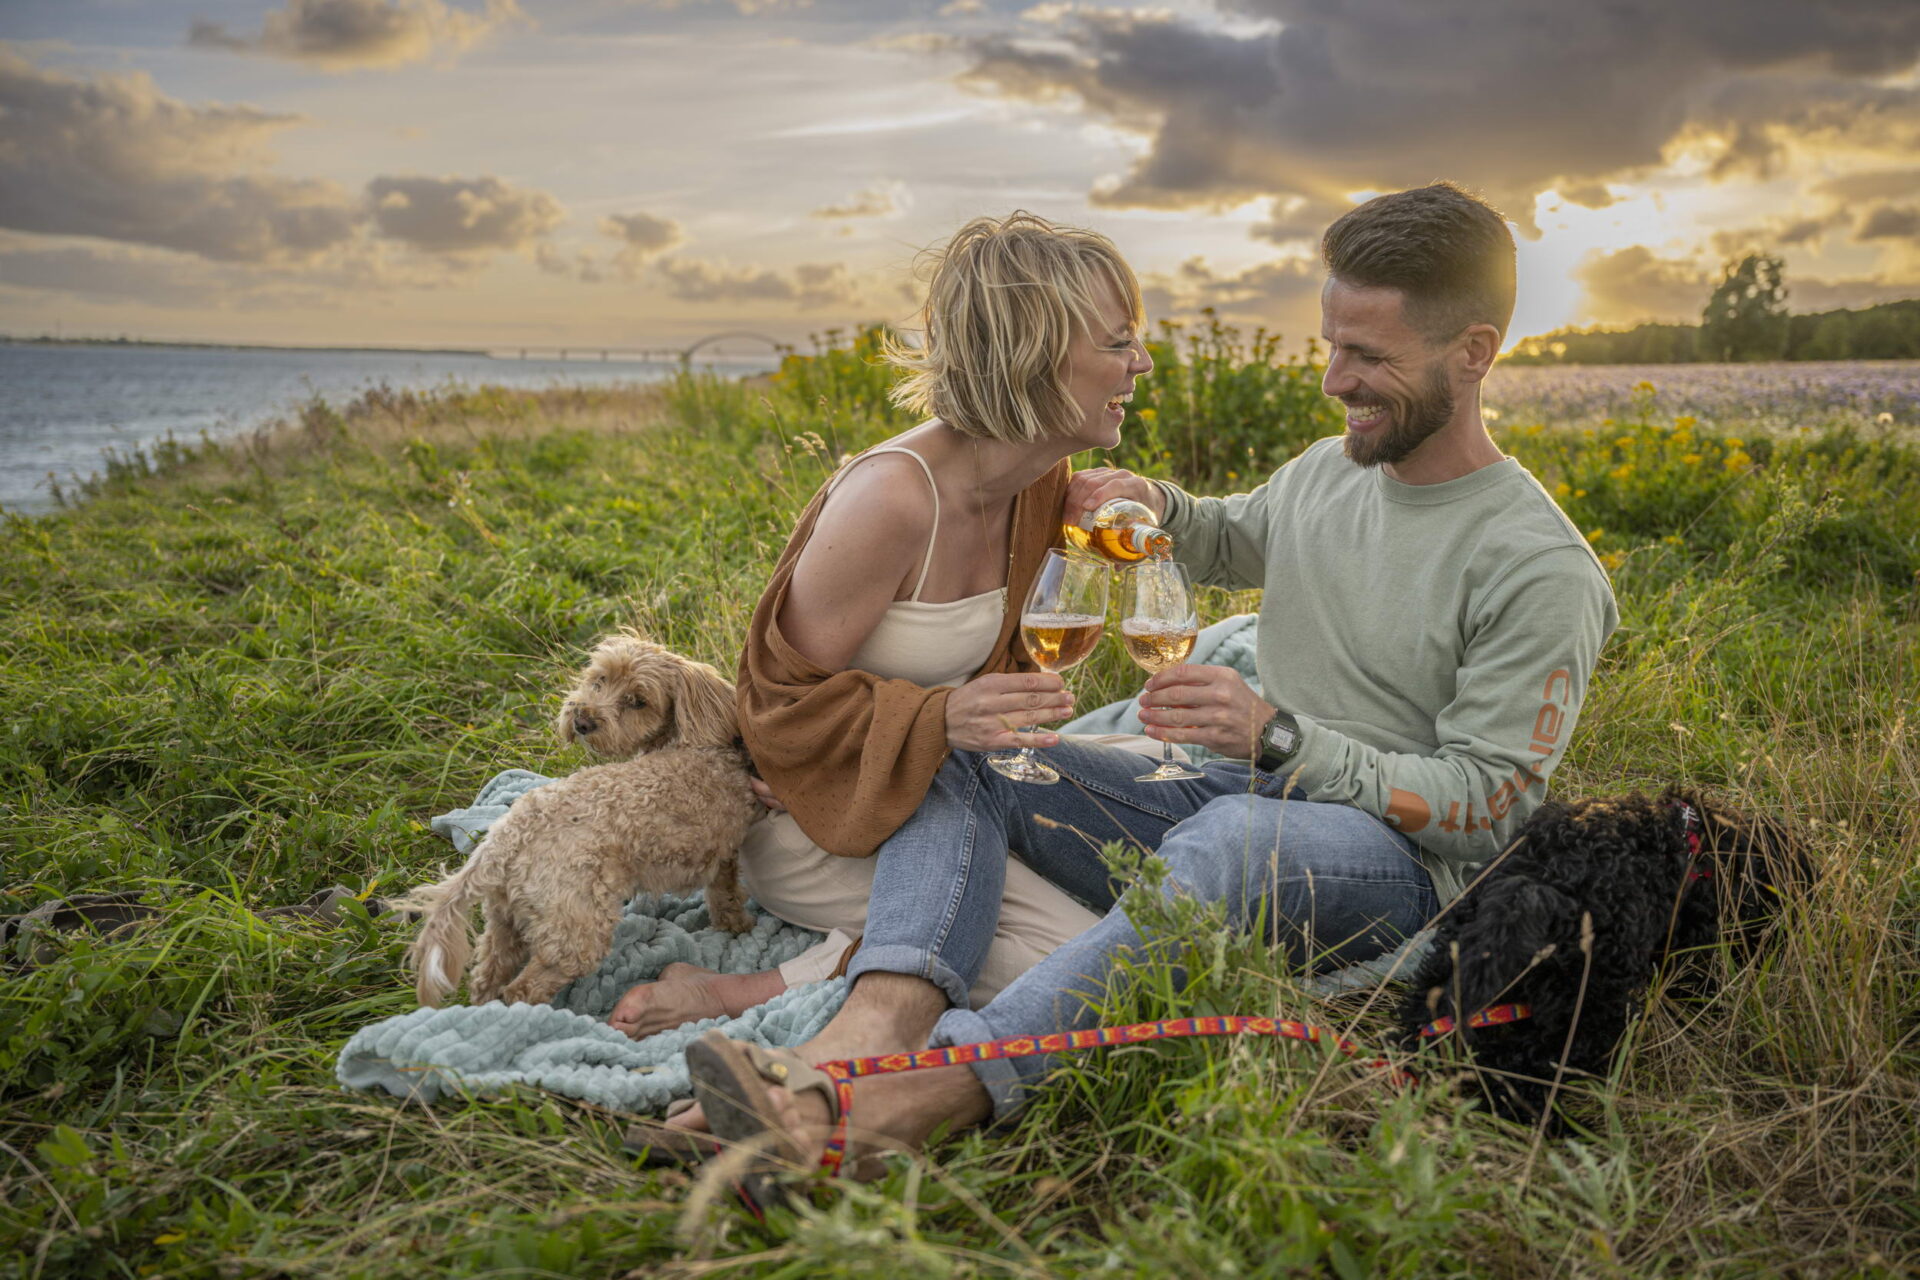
(684, 355)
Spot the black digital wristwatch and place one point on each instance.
(1279, 742)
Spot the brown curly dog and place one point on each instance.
(554, 873)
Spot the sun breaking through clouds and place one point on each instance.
(476, 171)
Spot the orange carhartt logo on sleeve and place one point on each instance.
(1548, 725)
(1407, 811)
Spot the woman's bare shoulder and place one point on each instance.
(884, 493)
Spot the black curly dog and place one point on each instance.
(1575, 919)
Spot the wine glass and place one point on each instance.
(1158, 627)
(1060, 624)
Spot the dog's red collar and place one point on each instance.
(1690, 828)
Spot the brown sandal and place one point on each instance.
(731, 1080)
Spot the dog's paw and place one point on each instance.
(734, 921)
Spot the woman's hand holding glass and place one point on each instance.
(980, 711)
(1060, 624)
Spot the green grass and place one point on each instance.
(238, 673)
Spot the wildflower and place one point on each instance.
(1622, 471)
(1735, 442)
(1674, 540)
(1562, 489)
(1643, 387)
(1612, 561)
(1149, 416)
(1738, 460)
(1595, 535)
(1579, 493)
(1685, 422)
(1233, 475)
(1690, 459)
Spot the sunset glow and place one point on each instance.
(586, 173)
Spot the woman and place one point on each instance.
(889, 634)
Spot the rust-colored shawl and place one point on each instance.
(850, 753)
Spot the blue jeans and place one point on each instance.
(1330, 881)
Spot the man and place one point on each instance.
(1428, 626)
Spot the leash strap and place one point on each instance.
(845, 1072)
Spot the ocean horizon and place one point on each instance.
(68, 404)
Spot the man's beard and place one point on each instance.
(1409, 423)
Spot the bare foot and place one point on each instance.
(687, 993)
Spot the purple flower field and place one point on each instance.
(1778, 396)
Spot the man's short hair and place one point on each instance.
(1005, 298)
(1448, 252)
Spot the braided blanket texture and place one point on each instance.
(567, 1047)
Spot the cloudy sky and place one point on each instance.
(643, 172)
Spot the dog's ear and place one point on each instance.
(703, 709)
(563, 724)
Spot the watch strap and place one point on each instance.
(1272, 757)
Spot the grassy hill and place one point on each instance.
(240, 673)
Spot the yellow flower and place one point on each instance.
(1562, 489)
(1612, 561)
(1622, 471)
(1643, 386)
(1690, 459)
(1738, 460)
(1595, 535)
(1233, 475)
(1674, 540)
(1685, 422)
(1149, 415)
(1579, 493)
(1735, 442)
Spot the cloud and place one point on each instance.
(1281, 294)
(113, 157)
(346, 35)
(824, 285)
(1316, 99)
(1889, 222)
(643, 237)
(1877, 184)
(114, 277)
(155, 279)
(812, 285)
(465, 216)
(1635, 284)
(883, 200)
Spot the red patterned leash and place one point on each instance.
(844, 1073)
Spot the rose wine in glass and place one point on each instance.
(1158, 627)
(1060, 625)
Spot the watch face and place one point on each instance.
(1282, 738)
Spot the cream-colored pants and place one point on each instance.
(803, 884)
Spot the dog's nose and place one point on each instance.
(584, 725)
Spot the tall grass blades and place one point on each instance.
(236, 673)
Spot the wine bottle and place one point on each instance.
(1120, 530)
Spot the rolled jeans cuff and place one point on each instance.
(1000, 1077)
(900, 958)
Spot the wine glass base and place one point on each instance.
(1023, 768)
(1171, 771)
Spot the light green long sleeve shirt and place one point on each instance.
(1435, 641)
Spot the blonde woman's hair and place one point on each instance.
(1002, 304)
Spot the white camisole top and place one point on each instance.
(932, 644)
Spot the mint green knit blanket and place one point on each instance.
(567, 1047)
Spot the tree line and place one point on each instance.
(1745, 319)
